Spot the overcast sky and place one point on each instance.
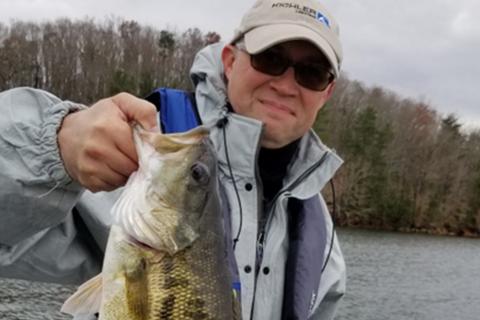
(425, 49)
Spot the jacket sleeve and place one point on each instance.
(333, 283)
(37, 226)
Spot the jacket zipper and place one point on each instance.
(262, 234)
(259, 207)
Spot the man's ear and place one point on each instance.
(228, 58)
(330, 89)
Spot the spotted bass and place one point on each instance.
(166, 253)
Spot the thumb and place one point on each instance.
(137, 110)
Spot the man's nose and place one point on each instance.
(285, 83)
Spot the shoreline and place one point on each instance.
(425, 231)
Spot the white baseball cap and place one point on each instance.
(270, 22)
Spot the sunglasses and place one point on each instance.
(274, 61)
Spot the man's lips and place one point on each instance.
(277, 106)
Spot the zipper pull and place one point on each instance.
(260, 239)
(259, 252)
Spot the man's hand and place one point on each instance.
(96, 144)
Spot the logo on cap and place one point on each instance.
(323, 19)
(303, 10)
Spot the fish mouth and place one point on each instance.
(138, 243)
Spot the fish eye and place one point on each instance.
(200, 173)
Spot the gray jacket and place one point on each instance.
(53, 230)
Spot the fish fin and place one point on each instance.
(157, 258)
(136, 283)
(236, 306)
(87, 299)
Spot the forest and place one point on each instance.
(407, 167)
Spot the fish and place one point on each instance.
(166, 252)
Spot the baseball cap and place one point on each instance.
(270, 22)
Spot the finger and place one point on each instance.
(109, 161)
(139, 110)
(106, 180)
(96, 175)
(97, 184)
(103, 151)
(122, 164)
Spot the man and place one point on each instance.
(264, 89)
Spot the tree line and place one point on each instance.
(84, 61)
(407, 167)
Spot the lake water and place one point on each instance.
(410, 277)
(390, 276)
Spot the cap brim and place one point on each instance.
(263, 37)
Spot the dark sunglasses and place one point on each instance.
(274, 61)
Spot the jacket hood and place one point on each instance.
(208, 78)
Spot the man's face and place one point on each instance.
(287, 109)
